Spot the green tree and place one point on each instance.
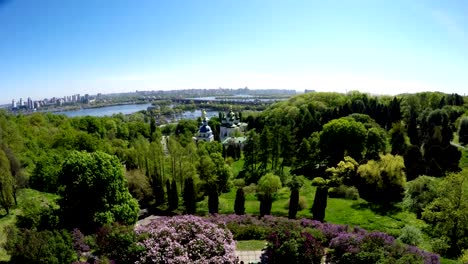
(267, 187)
(239, 203)
(414, 162)
(95, 192)
(343, 173)
(383, 181)
(6, 183)
(448, 214)
(213, 200)
(420, 192)
(342, 137)
(295, 185)
(376, 142)
(45, 174)
(398, 139)
(174, 197)
(463, 131)
(250, 157)
(189, 196)
(440, 156)
(40, 247)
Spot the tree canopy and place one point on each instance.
(94, 191)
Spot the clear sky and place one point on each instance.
(55, 47)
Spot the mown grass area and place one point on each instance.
(26, 199)
(248, 245)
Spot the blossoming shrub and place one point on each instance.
(303, 240)
(292, 247)
(185, 239)
(375, 247)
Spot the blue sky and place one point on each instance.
(55, 47)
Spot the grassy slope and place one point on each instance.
(26, 197)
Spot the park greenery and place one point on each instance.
(389, 164)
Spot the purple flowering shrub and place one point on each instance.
(185, 239)
(292, 247)
(375, 247)
(303, 241)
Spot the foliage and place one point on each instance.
(139, 187)
(45, 174)
(463, 131)
(6, 183)
(448, 213)
(239, 204)
(344, 172)
(411, 235)
(345, 192)
(47, 247)
(118, 243)
(185, 239)
(267, 187)
(348, 244)
(420, 192)
(292, 247)
(382, 182)
(341, 137)
(95, 192)
(363, 247)
(173, 196)
(189, 196)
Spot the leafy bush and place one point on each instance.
(292, 247)
(410, 235)
(420, 192)
(375, 247)
(37, 247)
(345, 192)
(185, 239)
(118, 243)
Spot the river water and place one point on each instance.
(130, 109)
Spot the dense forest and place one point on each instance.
(97, 176)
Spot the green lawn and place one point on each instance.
(248, 245)
(26, 199)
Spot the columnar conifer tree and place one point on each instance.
(189, 196)
(174, 196)
(239, 203)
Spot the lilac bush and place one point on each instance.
(290, 240)
(375, 247)
(185, 239)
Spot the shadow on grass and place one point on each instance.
(378, 209)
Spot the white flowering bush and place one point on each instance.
(185, 239)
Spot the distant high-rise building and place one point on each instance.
(21, 103)
(30, 103)
(13, 104)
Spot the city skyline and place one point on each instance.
(53, 49)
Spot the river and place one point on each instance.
(106, 110)
(130, 109)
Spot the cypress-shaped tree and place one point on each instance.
(168, 193)
(320, 203)
(213, 202)
(189, 196)
(239, 203)
(293, 203)
(174, 196)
